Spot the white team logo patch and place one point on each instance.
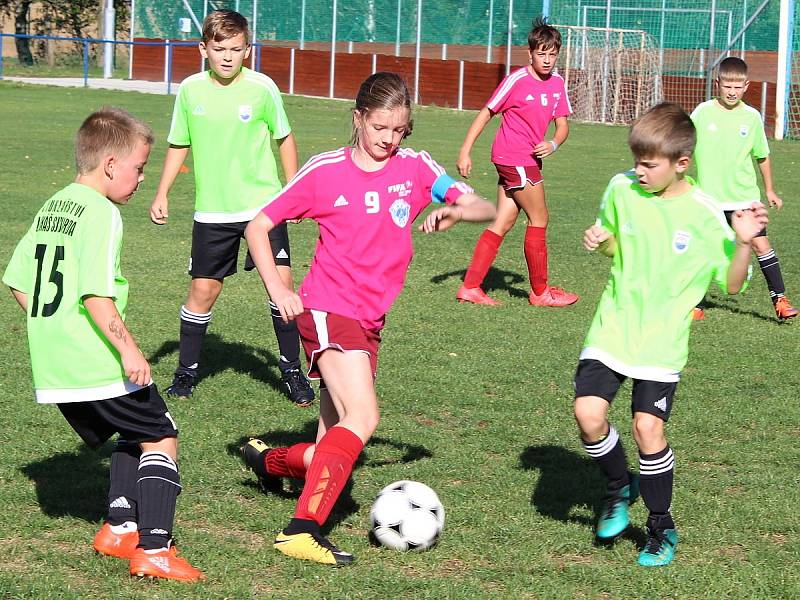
(245, 112)
(529, 98)
(340, 201)
(662, 404)
(680, 243)
(743, 130)
(199, 111)
(712, 126)
(400, 211)
(282, 254)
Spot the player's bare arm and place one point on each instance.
(159, 209)
(464, 162)
(765, 167)
(108, 320)
(21, 298)
(747, 224)
(468, 207)
(256, 234)
(547, 147)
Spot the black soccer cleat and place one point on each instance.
(183, 385)
(253, 454)
(298, 388)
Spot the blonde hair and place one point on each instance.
(110, 130)
(223, 25)
(732, 69)
(382, 91)
(663, 131)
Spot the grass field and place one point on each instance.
(475, 402)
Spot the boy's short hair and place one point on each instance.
(110, 130)
(223, 25)
(663, 131)
(732, 69)
(543, 35)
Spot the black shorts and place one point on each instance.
(215, 249)
(594, 378)
(141, 416)
(729, 215)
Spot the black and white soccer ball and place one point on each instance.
(407, 515)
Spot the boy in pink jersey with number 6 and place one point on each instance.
(529, 99)
(365, 199)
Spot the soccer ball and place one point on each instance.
(407, 515)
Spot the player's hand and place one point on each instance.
(464, 165)
(774, 200)
(594, 236)
(543, 149)
(441, 219)
(137, 369)
(289, 304)
(159, 210)
(749, 222)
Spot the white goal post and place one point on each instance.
(611, 75)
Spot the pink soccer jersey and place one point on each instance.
(365, 219)
(527, 105)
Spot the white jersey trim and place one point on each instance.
(633, 371)
(505, 88)
(218, 217)
(716, 209)
(103, 392)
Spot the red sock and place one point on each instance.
(536, 257)
(287, 462)
(485, 251)
(333, 461)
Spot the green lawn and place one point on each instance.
(475, 402)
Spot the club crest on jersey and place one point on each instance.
(400, 211)
(743, 130)
(245, 112)
(680, 243)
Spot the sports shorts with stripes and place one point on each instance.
(320, 331)
(514, 178)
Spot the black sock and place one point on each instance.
(296, 526)
(122, 493)
(610, 455)
(771, 268)
(288, 340)
(159, 486)
(193, 331)
(656, 474)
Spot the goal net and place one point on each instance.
(612, 75)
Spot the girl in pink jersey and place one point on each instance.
(529, 98)
(365, 199)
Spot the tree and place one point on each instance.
(20, 9)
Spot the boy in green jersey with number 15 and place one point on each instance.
(668, 241)
(65, 274)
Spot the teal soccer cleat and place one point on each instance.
(660, 547)
(614, 518)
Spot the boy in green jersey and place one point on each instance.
(730, 134)
(228, 115)
(65, 274)
(668, 241)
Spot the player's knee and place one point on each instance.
(204, 292)
(647, 429)
(590, 418)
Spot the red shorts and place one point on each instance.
(320, 330)
(513, 178)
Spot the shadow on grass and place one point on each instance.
(345, 505)
(732, 306)
(496, 279)
(220, 355)
(569, 481)
(72, 484)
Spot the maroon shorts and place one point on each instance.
(514, 178)
(320, 330)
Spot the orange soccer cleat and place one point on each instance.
(475, 296)
(120, 544)
(698, 314)
(784, 309)
(553, 296)
(164, 563)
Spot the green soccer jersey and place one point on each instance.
(72, 250)
(667, 253)
(230, 129)
(727, 142)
